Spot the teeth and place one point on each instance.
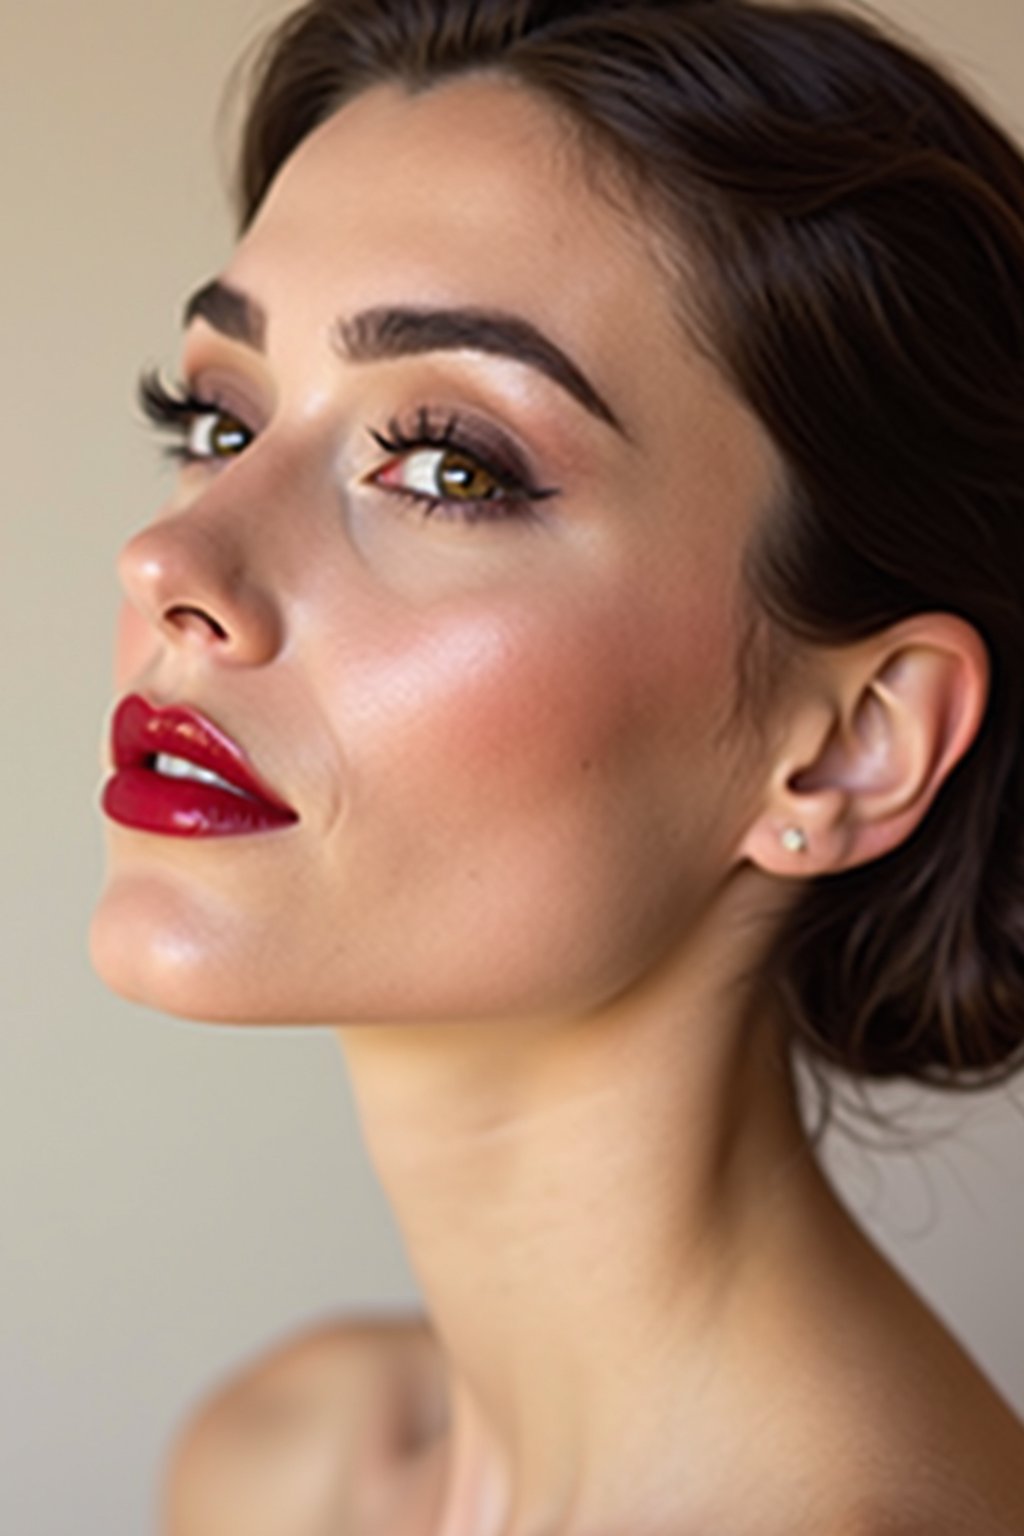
(181, 768)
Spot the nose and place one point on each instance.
(193, 583)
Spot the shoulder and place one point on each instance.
(307, 1431)
(935, 1524)
(951, 1490)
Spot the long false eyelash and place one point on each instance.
(429, 432)
(171, 410)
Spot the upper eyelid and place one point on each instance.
(208, 380)
(424, 432)
(219, 402)
(202, 360)
(166, 402)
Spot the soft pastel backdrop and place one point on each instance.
(175, 1197)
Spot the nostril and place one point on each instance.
(193, 584)
(185, 616)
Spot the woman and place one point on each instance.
(579, 663)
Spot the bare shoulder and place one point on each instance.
(957, 1469)
(311, 1431)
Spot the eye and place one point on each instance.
(436, 465)
(445, 474)
(201, 430)
(214, 434)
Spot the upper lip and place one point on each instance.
(141, 730)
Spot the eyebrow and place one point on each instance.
(229, 311)
(392, 331)
(387, 332)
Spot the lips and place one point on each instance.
(165, 761)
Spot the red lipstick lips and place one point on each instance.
(177, 774)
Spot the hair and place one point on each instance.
(851, 228)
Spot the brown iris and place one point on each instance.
(227, 436)
(461, 478)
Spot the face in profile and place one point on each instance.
(453, 569)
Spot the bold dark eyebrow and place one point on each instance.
(392, 331)
(397, 331)
(229, 311)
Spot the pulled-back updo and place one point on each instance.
(850, 228)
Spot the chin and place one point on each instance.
(143, 949)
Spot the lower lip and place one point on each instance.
(151, 802)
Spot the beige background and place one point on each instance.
(176, 1196)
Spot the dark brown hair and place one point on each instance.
(856, 227)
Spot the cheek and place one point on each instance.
(494, 711)
(512, 701)
(541, 777)
(509, 709)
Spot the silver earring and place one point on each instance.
(794, 840)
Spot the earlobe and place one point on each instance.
(860, 766)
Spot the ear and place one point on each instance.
(869, 743)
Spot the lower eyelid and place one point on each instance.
(497, 510)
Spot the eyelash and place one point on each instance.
(448, 435)
(176, 410)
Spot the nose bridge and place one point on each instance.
(194, 578)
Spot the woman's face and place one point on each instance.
(470, 610)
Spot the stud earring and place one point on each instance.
(794, 840)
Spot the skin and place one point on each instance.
(532, 863)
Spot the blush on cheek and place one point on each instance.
(512, 708)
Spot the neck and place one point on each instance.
(590, 1206)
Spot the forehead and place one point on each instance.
(475, 190)
(477, 175)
